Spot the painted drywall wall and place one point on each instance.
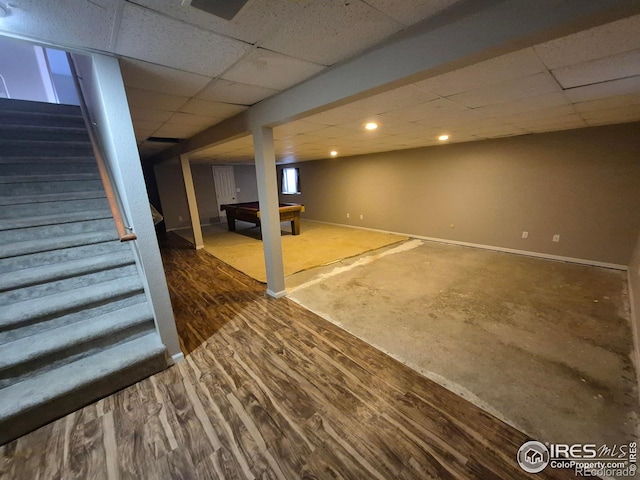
(634, 297)
(174, 198)
(21, 71)
(581, 184)
(106, 100)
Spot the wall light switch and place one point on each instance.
(556, 238)
(361, 217)
(348, 215)
(179, 218)
(237, 190)
(525, 234)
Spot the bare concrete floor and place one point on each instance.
(544, 345)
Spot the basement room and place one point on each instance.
(367, 239)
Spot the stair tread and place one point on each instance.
(57, 339)
(25, 222)
(37, 390)
(16, 314)
(53, 243)
(58, 271)
(5, 159)
(50, 197)
(12, 105)
(49, 177)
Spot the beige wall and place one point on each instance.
(582, 184)
(174, 198)
(634, 296)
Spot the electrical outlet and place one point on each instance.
(348, 215)
(361, 217)
(179, 218)
(525, 234)
(556, 237)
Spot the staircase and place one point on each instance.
(75, 324)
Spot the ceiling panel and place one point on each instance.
(150, 115)
(159, 101)
(615, 67)
(78, 24)
(211, 109)
(531, 86)
(609, 39)
(157, 78)
(175, 44)
(624, 86)
(327, 32)
(393, 100)
(252, 24)
(235, 92)
(271, 70)
(522, 63)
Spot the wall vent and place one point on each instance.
(226, 9)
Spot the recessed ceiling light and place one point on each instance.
(334, 153)
(443, 138)
(371, 126)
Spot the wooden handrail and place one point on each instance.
(125, 236)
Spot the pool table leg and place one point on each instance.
(295, 226)
(231, 222)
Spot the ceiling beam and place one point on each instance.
(467, 33)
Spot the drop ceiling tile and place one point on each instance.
(521, 105)
(427, 110)
(235, 92)
(624, 86)
(409, 12)
(393, 100)
(457, 117)
(157, 78)
(602, 70)
(189, 119)
(146, 125)
(177, 130)
(328, 32)
(530, 86)
(271, 70)
(598, 42)
(67, 22)
(138, 98)
(175, 43)
(297, 126)
(150, 115)
(619, 101)
(254, 22)
(211, 109)
(614, 115)
(557, 111)
(552, 123)
(486, 131)
(522, 63)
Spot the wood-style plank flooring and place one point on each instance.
(268, 391)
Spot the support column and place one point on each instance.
(269, 209)
(191, 200)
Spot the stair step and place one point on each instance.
(36, 108)
(29, 148)
(46, 187)
(10, 132)
(49, 177)
(50, 232)
(21, 313)
(42, 119)
(76, 316)
(35, 401)
(55, 347)
(50, 197)
(44, 160)
(41, 209)
(59, 271)
(42, 245)
(11, 223)
(69, 167)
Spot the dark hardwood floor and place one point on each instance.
(268, 391)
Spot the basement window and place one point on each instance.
(290, 181)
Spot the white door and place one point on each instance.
(225, 184)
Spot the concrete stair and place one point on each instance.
(75, 324)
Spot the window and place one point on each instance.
(290, 181)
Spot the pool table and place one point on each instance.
(250, 212)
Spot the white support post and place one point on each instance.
(269, 209)
(191, 200)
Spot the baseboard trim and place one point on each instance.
(272, 294)
(177, 358)
(581, 261)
